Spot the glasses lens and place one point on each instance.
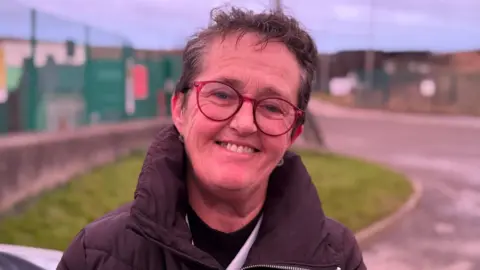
(275, 116)
(218, 101)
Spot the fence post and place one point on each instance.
(32, 93)
(169, 84)
(128, 60)
(87, 98)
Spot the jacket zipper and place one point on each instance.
(271, 266)
(279, 267)
(147, 236)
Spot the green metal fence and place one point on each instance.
(60, 75)
(163, 70)
(419, 82)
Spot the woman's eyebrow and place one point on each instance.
(232, 82)
(240, 87)
(270, 92)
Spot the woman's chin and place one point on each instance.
(229, 183)
(232, 183)
(229, 176)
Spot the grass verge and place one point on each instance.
(344, 101)
(355, 192)
(352, 191)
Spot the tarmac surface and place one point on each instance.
(443, 154)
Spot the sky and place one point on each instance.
(390, 25)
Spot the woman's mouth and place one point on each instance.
(237, 148)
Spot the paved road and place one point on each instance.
(444, 155)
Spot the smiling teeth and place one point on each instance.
(237, 148)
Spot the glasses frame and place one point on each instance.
(299, 114)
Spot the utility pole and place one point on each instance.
(277, 5)
(312, 129)
(324, 71)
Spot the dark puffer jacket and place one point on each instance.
(151, 232)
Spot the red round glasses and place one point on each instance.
(273, 116)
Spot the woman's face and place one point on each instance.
(259, 73)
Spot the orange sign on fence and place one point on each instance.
(3, 77)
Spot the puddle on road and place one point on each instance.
(455, 183)
(459, 169)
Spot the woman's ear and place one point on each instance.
(177, 110)
(296, 133)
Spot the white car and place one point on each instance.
(28, 258)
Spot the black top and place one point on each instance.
(150, 233)
(222, 246)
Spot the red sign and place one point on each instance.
(140, 81)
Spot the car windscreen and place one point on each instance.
(12, 262)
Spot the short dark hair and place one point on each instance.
(270, 25)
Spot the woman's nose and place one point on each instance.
(243, 121)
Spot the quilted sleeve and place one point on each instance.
(74, 258)
(353, 254)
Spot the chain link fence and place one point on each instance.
(419, 82)
(56, 74)
(419, 57)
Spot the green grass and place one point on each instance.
(353, 192)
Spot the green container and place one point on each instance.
(105, 91)
(3, 118)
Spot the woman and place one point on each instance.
(218, 189)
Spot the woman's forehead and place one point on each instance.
(271, 70)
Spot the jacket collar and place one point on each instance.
(291, 230)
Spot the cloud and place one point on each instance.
(364, 14)
(347, 13)
(335, 24)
